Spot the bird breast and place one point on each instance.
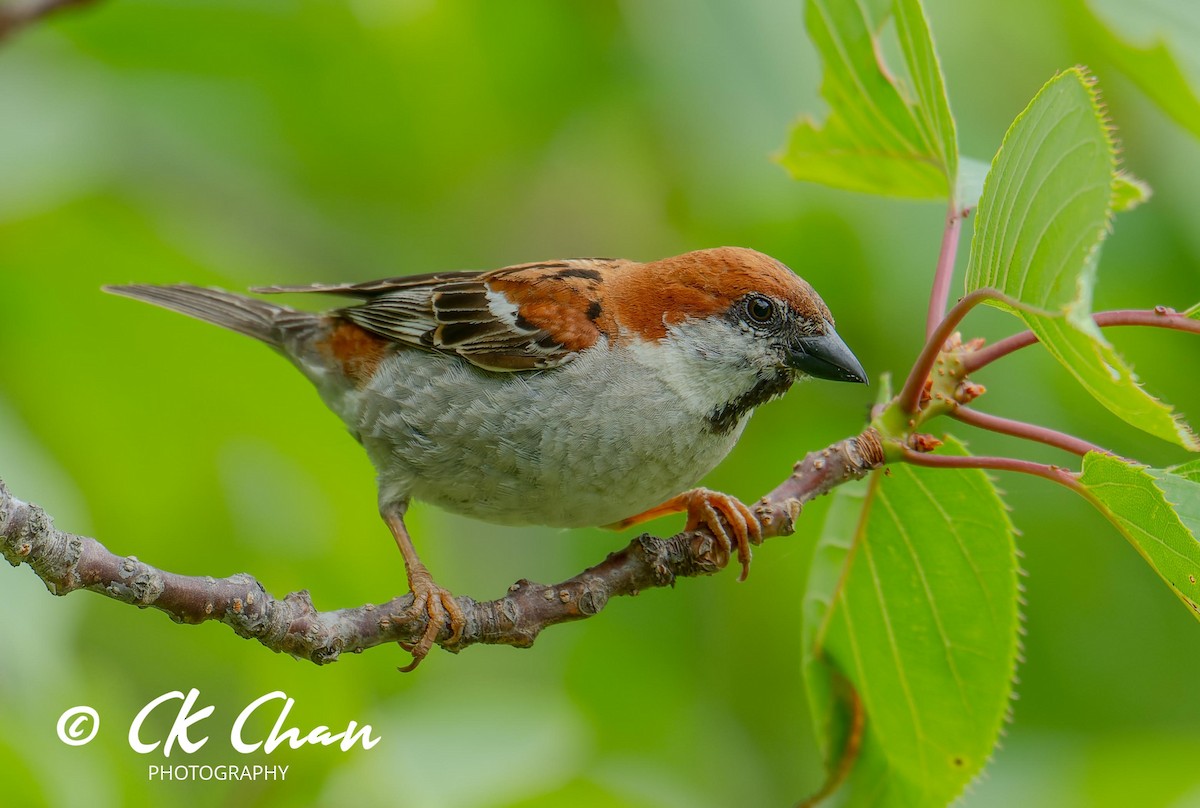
(598, 439)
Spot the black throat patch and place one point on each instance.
(724, 419)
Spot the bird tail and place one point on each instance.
(264, 321)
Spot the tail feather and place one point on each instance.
(245, 315)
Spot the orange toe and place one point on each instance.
(729, 520)
(439, 606)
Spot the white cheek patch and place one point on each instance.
(707, 362)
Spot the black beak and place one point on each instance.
(826, 357)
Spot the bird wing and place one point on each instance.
(524, 317)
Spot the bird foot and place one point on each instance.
(439, 605)
(724, 515)
(730, 521)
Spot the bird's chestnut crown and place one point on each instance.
(790, 327)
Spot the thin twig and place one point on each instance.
(1057, 474)
(910, 394)
(67, 562)
(14, 17)
(1021, 429)
(944, 273)
(1160, 317)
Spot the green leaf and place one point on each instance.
(1188, 471)
(910, 634)
(1154, 43)
(933, 106)
(1045, 203)
(1193, 313)
(880, 137)
(1082, 348)
(1043, 215)
(1158, 511)
(1129, 192)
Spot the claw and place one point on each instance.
(439, 605)
(723, 514)
(720, 513)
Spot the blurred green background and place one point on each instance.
(233, 144)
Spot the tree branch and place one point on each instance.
(14, 17)
(67, 562)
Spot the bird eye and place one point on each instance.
(759, 309)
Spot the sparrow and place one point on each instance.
(582, 392)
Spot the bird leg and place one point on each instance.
(428, 597)
(720, 513)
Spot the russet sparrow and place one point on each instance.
(565, 393)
